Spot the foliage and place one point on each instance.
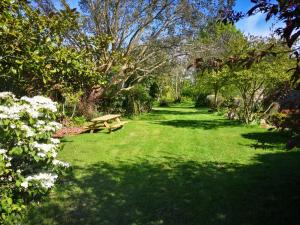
(201, 100)
(163, 103)
(143, 34)
(216, 82)
(37, 57)
(287, 12)
(253, 67)
(291, 122)
(79, 120)
(256, 82)
(28, 154)
(216, 43)
(154, 91)
(137, 100)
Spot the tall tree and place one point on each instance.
(139, 31)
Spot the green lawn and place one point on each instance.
(176, 166)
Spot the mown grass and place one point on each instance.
(180, 166)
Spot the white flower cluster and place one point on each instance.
(11, 112)
(49, 127)
(44, 149)
(46, 180)
(29, 123)
(40, 102)
(3, 151)
(28, 130)
(5, 95)
(32, 107)
(5, 157)
(60, 163)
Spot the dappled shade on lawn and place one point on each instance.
(201, 124)
(151, 173)
(267, 140)
(175, 191)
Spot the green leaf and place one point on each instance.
(16, 151)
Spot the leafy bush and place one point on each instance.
(201, 100)
(28, 164)
(138, 100)
(79, 120)
(213, 102)
(163, 103)
(288, 121)
(177, 100)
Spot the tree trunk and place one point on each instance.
(74, 110)
(216, 99)
(87, 105)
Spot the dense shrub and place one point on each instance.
(177, 100)
(288, 121)
(79, 120)
(28, 164)
(137, 100)
(201, 100)
(163, 103)
(213, 102)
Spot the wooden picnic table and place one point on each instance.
(107, 118)
(110, 122)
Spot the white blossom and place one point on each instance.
(45, 179)
(60, 163)
(10, 112)
(39, 102)
(34, 113)
(43, 149)
(19, 143)
(54, 140)
(3, 116)
(3, 151)
(29, 132)
(4, 95)
(39, 123)
(55, 125)
(54, 153)
(24, 184)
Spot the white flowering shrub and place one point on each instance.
(28, 164)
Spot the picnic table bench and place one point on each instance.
(111, 122)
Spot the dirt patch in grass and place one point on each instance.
(69, 131)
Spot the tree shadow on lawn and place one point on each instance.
(268, 140)
(161, 114)
(175, 112)
(174, 191)
(200, 124)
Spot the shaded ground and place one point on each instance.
(161, 170)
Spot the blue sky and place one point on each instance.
(254, 25)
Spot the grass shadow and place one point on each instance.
(267, 140)
(178, 112)
(174, 191)
(200, 124)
